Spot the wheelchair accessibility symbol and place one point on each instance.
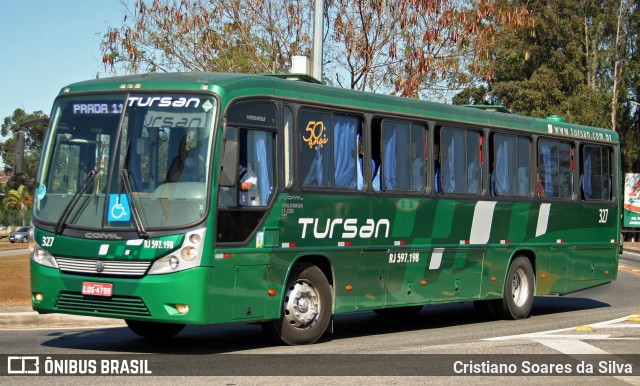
(119, 208)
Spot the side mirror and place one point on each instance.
(18, 156)
(230, 159)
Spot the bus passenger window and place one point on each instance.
(328, 150)
(595, 173)
(510, 166)
(555, 168)
(403, 155)
(460, 167)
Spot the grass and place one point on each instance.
(15, 281)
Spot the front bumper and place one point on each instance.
(151, 298)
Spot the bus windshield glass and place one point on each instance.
(126, 162)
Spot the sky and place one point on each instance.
(47, 44)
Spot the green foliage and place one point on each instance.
(580, 62)
(34, 137)
(19, 199)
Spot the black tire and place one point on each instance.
(154, 330)
(519, 287)
(406, 311)
(306, 309)
(24, 239)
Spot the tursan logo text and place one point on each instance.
(102, 236)
(163, 101)
(348, 228)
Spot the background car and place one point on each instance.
(22, 235)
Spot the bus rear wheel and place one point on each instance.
(307, 307)
(519, 287)
(154, 330)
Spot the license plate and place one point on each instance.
(97, 289)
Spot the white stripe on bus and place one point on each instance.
(481, 223)
(543, 219)
(436, 258)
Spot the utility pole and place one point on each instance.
(317, 39)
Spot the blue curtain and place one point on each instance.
(359, 165)
(389, 161)
(454, 167)
(502, 170)
(548, 177)
(403, 156)
(264, 180)
(345, 151)
(587, 186)
(314, 176)
(448, 166)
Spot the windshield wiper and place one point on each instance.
(142, 233)
(60, 225)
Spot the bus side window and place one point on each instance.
(460, 166)
(255, 174)
(555, 168)
(328, 149)
(510, 166)
(288, 147)
(595, 173)
(403, 156)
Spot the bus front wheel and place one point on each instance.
(307, 307)
(154, 330)
(518, 291)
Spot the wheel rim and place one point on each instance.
(520, 287)
(302, 304)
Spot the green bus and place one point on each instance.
(196, 198)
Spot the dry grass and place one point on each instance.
(15, 285)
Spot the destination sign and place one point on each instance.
(90, 108)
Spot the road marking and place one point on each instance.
(571, 347)
(549, 335)
(574, 345)
(556, 334)
(628, 269)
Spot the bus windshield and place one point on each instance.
(126, 162)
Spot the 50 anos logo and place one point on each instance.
(317, 135)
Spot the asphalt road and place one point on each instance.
(593, 321)
(21, 250)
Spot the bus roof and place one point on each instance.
(230, 86)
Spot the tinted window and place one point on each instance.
(595, 178)
(403, 156)
(328, 149)
(555, 169)
(459, 169)
(510, 175)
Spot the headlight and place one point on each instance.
(189, 255)
(42, 257)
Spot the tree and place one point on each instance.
(19, 199)
(33, 144)
(403, 47)
(577, 64)
(416, 48)
(250, 36)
